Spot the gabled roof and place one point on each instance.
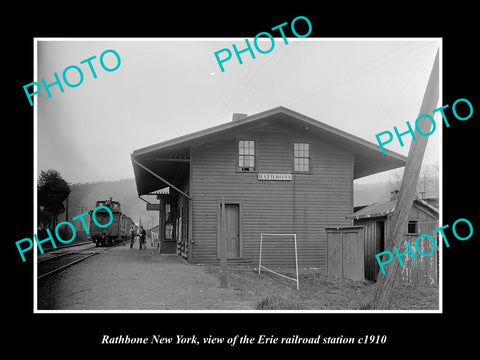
(368, 156)
(384, 208)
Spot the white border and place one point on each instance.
(35, 143)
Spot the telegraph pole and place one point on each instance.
(81, 208)
(66, 208)
(398, 229)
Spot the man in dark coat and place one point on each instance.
(142, 234)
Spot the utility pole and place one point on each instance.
(398, 229)
(66, 208)
(80, 208)
(223, 257)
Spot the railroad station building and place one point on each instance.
(278, 171)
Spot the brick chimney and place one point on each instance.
(238, 116)
(394, 194)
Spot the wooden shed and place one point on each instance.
(279, 172)
(345, 252)
(423, 219)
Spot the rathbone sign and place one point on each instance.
(275, 177)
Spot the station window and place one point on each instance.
(168, 212)
(301, 157)
(169, 231)
(412, 227)
(246, 155)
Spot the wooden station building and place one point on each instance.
(279, 172)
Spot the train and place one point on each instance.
(118, 231)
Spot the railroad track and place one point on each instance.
(47, 249)
(63, 259)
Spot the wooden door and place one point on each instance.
(232, 236)
(353, 255)
(345, 252)
(334, 259)
(379, 246)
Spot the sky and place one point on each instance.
(166, 88)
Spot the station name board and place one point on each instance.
(153, 207)
(276, 177)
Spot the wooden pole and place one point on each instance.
(398, 229)
(161, 230)
(66, 208)
(223, 257)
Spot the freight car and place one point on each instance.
(117, 231)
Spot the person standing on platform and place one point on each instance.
(132, 236)
(142, 234)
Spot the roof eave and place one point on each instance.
(209, 131)
(277, 110)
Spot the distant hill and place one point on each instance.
(427, 186)
(83, 197)
(365, 194)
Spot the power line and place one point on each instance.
(356, 72)
(244, 88)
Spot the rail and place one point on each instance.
(56, 263)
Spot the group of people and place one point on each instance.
(141, 235)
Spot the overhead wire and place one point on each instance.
(241, 84)
(274, 64)
(338, 80)
(264, 71)
(254, 79)
(401, 89)
(356, 72)
(251, 82)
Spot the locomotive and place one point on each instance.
(118, 230)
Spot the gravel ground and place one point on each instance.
(129, 279)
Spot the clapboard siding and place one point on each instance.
(305, 205)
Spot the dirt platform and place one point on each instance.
(130, 279)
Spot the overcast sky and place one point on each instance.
(166, 88)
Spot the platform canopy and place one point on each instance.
(167, 162)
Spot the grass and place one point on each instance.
(320, 292)
(273, 302)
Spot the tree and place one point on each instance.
(394, 182)
(52, 190)
(427, 185)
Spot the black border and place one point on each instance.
(60, 335)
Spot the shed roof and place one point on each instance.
(368, 159)
(384, 208)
